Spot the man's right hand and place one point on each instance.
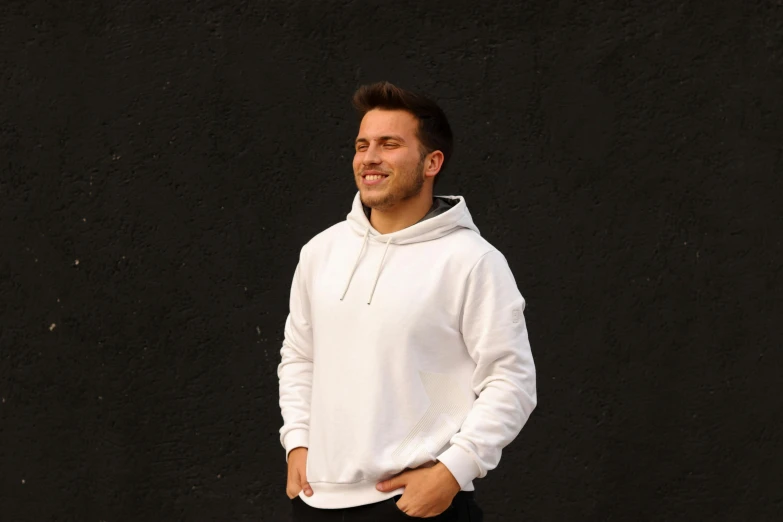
(297, 479)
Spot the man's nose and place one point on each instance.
(371, 156)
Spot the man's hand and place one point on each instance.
(428, 491)
(297, 479)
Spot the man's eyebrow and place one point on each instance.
(382, 138)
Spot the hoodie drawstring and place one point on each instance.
(356, 264)
(378, 273)
(348, 283)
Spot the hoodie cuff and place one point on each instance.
(461, 464)
(294, 439)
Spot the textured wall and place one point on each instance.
(162, 163)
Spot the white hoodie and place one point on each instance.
(401, 349)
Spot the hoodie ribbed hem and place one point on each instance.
(327, 495)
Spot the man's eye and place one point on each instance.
(390, 145)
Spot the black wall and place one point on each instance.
(161, 164)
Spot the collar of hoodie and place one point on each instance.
(455, 218)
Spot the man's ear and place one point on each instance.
(433, 163)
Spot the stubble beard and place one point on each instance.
(408, 185)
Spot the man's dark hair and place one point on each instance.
(434, 131)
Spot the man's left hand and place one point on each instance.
(428, 491)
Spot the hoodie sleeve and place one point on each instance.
(295, 372)
(494, 330)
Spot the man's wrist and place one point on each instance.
(446, 476)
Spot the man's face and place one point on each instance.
(388, 165)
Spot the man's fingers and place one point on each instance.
(305, 485)
(293, 488)
(297, 484)
(393, 483)
(294, 491)
(303, 482)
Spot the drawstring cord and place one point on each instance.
(348, 283)
(356, 264)
(378, 273)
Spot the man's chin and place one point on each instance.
(370, 199)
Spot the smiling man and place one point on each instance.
(406, 366)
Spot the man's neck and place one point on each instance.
(402, 215)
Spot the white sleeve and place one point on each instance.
(495, 333)
(295, 372)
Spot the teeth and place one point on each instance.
(373, 177)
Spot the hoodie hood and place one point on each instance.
(455, 218)
(436, 227)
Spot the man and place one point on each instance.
(406, 366)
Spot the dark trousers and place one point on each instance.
(463, 509)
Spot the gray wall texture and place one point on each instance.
(161, 164)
